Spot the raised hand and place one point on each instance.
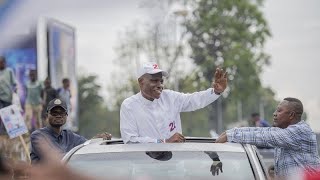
(220, 81)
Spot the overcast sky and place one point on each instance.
(294, 47)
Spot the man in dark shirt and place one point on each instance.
(48, 94)
(64, 140)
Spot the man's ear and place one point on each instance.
(140, 80)
(292, 114)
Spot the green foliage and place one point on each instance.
(262, 97)
(140, 43)
(121, 91)
(232, 34)
(94, 116)
(229, 34)
(89, 93)
(196, 123)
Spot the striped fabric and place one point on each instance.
(295, 146)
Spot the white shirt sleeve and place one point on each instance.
(194, 101)
(129, 129)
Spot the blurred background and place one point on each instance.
(270, 50)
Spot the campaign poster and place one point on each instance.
(13, 121)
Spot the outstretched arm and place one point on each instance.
(197, 100)
(266, 137)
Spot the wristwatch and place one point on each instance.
(161, 140)
(213, 91)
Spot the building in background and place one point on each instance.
(21, 57)
(61, 45)
(48, 48)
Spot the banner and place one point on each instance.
(13, 121)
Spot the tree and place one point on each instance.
(220, 33)
(94, 116)
(150, 41)
(229, 34)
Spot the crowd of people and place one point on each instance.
(38, 95)
(153, 116)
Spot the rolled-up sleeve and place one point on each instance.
(264, 136)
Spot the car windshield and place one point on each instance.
(169, 165)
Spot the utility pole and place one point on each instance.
(219, 114)
(261, 109)
(239, 110)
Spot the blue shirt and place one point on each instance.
(263, 123)
(64, 141)
(295, 146)
(65, 95)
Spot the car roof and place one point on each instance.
(192, 144)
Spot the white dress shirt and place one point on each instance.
(145, 121)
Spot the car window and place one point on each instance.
(169, 165)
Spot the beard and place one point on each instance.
(56, 125)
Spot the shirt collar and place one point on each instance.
(301, 122)
(51, 131)
(145, 101)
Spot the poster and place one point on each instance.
(13, 121)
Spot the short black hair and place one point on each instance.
(65, 80)
(295, 105)
(255, 114)
(3, 58)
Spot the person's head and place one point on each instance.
(2, 62)
(150, 79)
(66, 83)
(57, 113)
(47, 82)
(288, 112)
(255, 117)
(33, 75)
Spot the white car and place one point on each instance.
(197, 158)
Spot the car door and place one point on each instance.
(256, 162)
